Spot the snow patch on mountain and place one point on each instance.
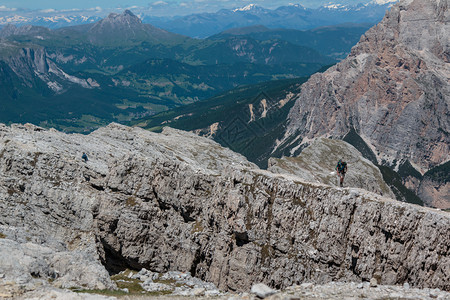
(383, 2)
(336, 6)
(246, 8)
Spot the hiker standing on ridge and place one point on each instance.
(84, 157)
(341, 169)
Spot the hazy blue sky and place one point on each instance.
(160, 7)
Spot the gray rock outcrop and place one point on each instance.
(262, 291)
(317, 163)
(393, 89)
(35, 67)
(175, 201)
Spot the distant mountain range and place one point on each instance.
(53, 21)
(291, 17)
(80, 77)
(333, 41)
(202, 25)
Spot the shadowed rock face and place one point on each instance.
(318, 161)
(434, 188)
(393, 89)
(176, 201)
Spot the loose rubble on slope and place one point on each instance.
(305, 291)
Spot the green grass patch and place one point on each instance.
(115, 293)
(353, 138)
(123, 281)
(2, 236)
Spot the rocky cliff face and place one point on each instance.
(36, 69)
(176, 201)
(393, 89)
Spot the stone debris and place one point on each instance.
(177, 283)
(144, 275)
(328, 291)
(51, 293)
(340, 290)
(262, 291)
(151, 286)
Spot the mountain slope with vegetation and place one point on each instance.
(118, 69)
(246, 119)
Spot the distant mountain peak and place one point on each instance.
(127, 16)
(247, 8)
(335, 6)
(128, 12)
(297, 6)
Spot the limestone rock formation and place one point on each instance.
(176, 201)
(35, 68)
(394, 89)
(317, 163)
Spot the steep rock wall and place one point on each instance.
(175, 201)
(393, 89)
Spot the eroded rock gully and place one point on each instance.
(176, 201)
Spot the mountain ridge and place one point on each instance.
(413, 54)
(177, 201)
(292, 16)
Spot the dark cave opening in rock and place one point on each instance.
(115, 263)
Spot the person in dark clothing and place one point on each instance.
(341, 169)
(84, 157)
